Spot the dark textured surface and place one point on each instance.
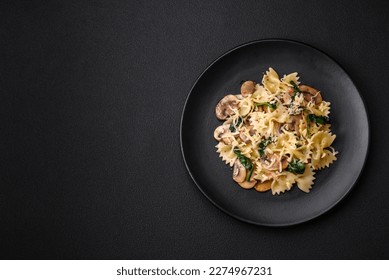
(91, 95)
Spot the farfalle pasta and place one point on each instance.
(276, 134)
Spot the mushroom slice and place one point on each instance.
(311, 94)
(272, 162)
(252, 130)
(248, 185)
(239, 172)
(247, 88)
(219, 131)
(277, 129)
(244, 130)
(226, 106)
(263, 186)
(243, 137)
(294, 123)
(284, 163)
(287, 97)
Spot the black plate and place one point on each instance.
(249, 61)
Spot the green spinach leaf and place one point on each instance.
(245, 161)
(262, 146)
(248, 177)
(316, 120)
(295, 90)
(296, 167)
(236, 125)
(272, 105)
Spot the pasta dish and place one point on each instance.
(275, 134)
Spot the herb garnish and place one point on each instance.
(295, 90)
(317, 120)
(296, 167)
(268, 104)
(245, 161)
(249, 174)
(234, 126)
(262, 146)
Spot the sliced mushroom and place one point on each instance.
(247, 88)
(263, 186)
(252, 130)
(242, 134)
(248, 185)
(277, 129)
(243, 137)
(287, 97)
(226, 106)
(311, 94)
(219, 131)
(272, 162)
(284, 163)
(294, 123)
(239, 172)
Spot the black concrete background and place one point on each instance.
(91, 95)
